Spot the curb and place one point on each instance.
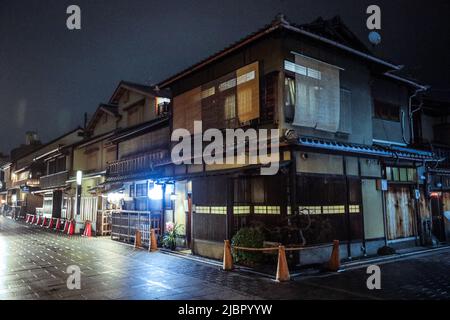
(392, 258)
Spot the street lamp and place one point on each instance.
(78, 195)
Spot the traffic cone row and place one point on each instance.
(48, 223)
(152, 246)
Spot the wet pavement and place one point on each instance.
(33, 265)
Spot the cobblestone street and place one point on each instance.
(33, 265)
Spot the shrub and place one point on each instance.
(251, 238)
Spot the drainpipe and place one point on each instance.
(411, 112)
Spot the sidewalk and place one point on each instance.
(400, 255)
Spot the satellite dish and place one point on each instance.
(374, 38)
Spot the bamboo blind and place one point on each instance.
(248, 92)
(187, 109)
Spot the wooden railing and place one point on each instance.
(124, 223)
(28, 182)
(54, 180)
(139, 163)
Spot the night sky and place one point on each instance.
(50, 76)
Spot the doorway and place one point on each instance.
(437, 218)
(400, 212)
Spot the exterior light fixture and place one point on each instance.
(435, 194)
(79, 177)
(156, 192)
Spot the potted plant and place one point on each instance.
(169, 239)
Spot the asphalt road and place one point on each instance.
(34, 262)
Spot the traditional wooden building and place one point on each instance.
(114, 156)
(432, 132)
(345, 159)
(53, 185)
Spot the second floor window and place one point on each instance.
(386, 111)
(136, 115)
(141, 190)
(314, 88)
(57, 165)
(228, 101)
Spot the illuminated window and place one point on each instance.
(219, 210)
(354, 208)
(311, 210)
(230, 107)
(246, 77)
(273, 210)
(266, 209)
(241, 209)
(333, 209)
(208, 92)
(260, 209)
(401, 174)
(141, 190)
(227, 85)
(201, 209)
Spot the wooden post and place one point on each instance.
(230, 204)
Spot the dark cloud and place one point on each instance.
(55, 75)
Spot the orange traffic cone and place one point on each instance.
(38, 221)
(44, 221)
(66, 226)
(334, 263)
(153, 244)
(137, 239)
(71, 228)
(227, 257)
(58, 224)
(87, 229)
(282, 267)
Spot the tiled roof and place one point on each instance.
(153, 90)
(374, 150)
(126, 132)
(332, 31)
